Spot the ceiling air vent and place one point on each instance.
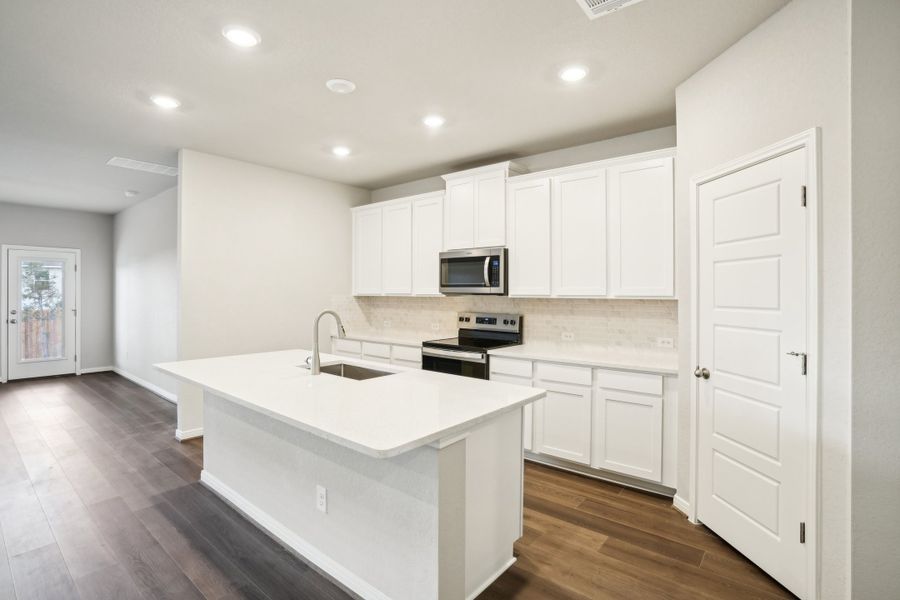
(598, 8)
(139, 165)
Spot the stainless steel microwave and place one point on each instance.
(475, 271)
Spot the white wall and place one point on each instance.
(788, 75)
(93, 234)
(645, 141)
(875, 103)
(261, 252)
(146, 296)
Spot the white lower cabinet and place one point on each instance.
(563, 422)
(528, 411)
(627, 433)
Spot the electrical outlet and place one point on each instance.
(387, 324)
(662, 342)
(321, 498)
(435, 326)
(568, 336)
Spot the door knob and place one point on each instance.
(12, 321)
(704, 372)
(12, 312)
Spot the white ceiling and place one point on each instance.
(75, 79)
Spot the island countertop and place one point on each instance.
(381, 417)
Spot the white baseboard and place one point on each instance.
(164, 394)
(187, 434)
(96, 370)
(491, 579)
(681, 505)
(291, 539)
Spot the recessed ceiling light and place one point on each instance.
(341, 151)
(340, 86)
(166, 102)
(131, 193)
(434, 121)
(241, 36)
(573, 73)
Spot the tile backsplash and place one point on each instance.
(626, 324)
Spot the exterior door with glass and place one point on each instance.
(41, 313)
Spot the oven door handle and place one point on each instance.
(487, 278)
(474, 357)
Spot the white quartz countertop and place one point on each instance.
(380, 417)
(646, 361)
(400, 339)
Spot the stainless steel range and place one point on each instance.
(467, 353)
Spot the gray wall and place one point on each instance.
(790, 74)
(92, 233)
(875, 70)
(645, 141)
(146, 296)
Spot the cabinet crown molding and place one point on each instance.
(511, 167)
(597, 164)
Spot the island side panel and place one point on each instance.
(494, 471)
(380, 535)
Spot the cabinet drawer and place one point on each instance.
(375, 350)
(406, 353)
(511, 366)
(641, 383)
(563, 373)
(345, 346)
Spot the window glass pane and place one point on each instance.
(42, 312)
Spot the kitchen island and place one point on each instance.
(406, 486)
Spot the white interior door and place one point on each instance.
(41, 313)
(752, 450)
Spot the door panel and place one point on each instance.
(752, 298)
(529, 238)
(459, 214)
(42, 313)
(563, 422)
(490, 210)
(428, 233)
(579, 234)
(367, 251)
(641, 229)
(397, 248)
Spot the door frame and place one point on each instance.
(810, 141)
(4, 302)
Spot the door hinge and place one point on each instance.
(802, 533)
(803, 196)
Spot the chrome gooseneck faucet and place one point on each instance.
(315, 367)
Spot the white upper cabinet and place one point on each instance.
(579, 233)
(397, 248)
(427, 232)
(459, 213)
(528, 214)
(490, 209)
(475, 207)
(641, 228)
(367, 250)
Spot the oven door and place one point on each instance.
(476, 271)
(454, 362)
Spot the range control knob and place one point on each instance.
(468, 319)
(506, 321)
(461, 319)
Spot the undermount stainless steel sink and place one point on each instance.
(353, 372)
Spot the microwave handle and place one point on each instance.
(487, 277)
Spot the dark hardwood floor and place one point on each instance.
(98, 501)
